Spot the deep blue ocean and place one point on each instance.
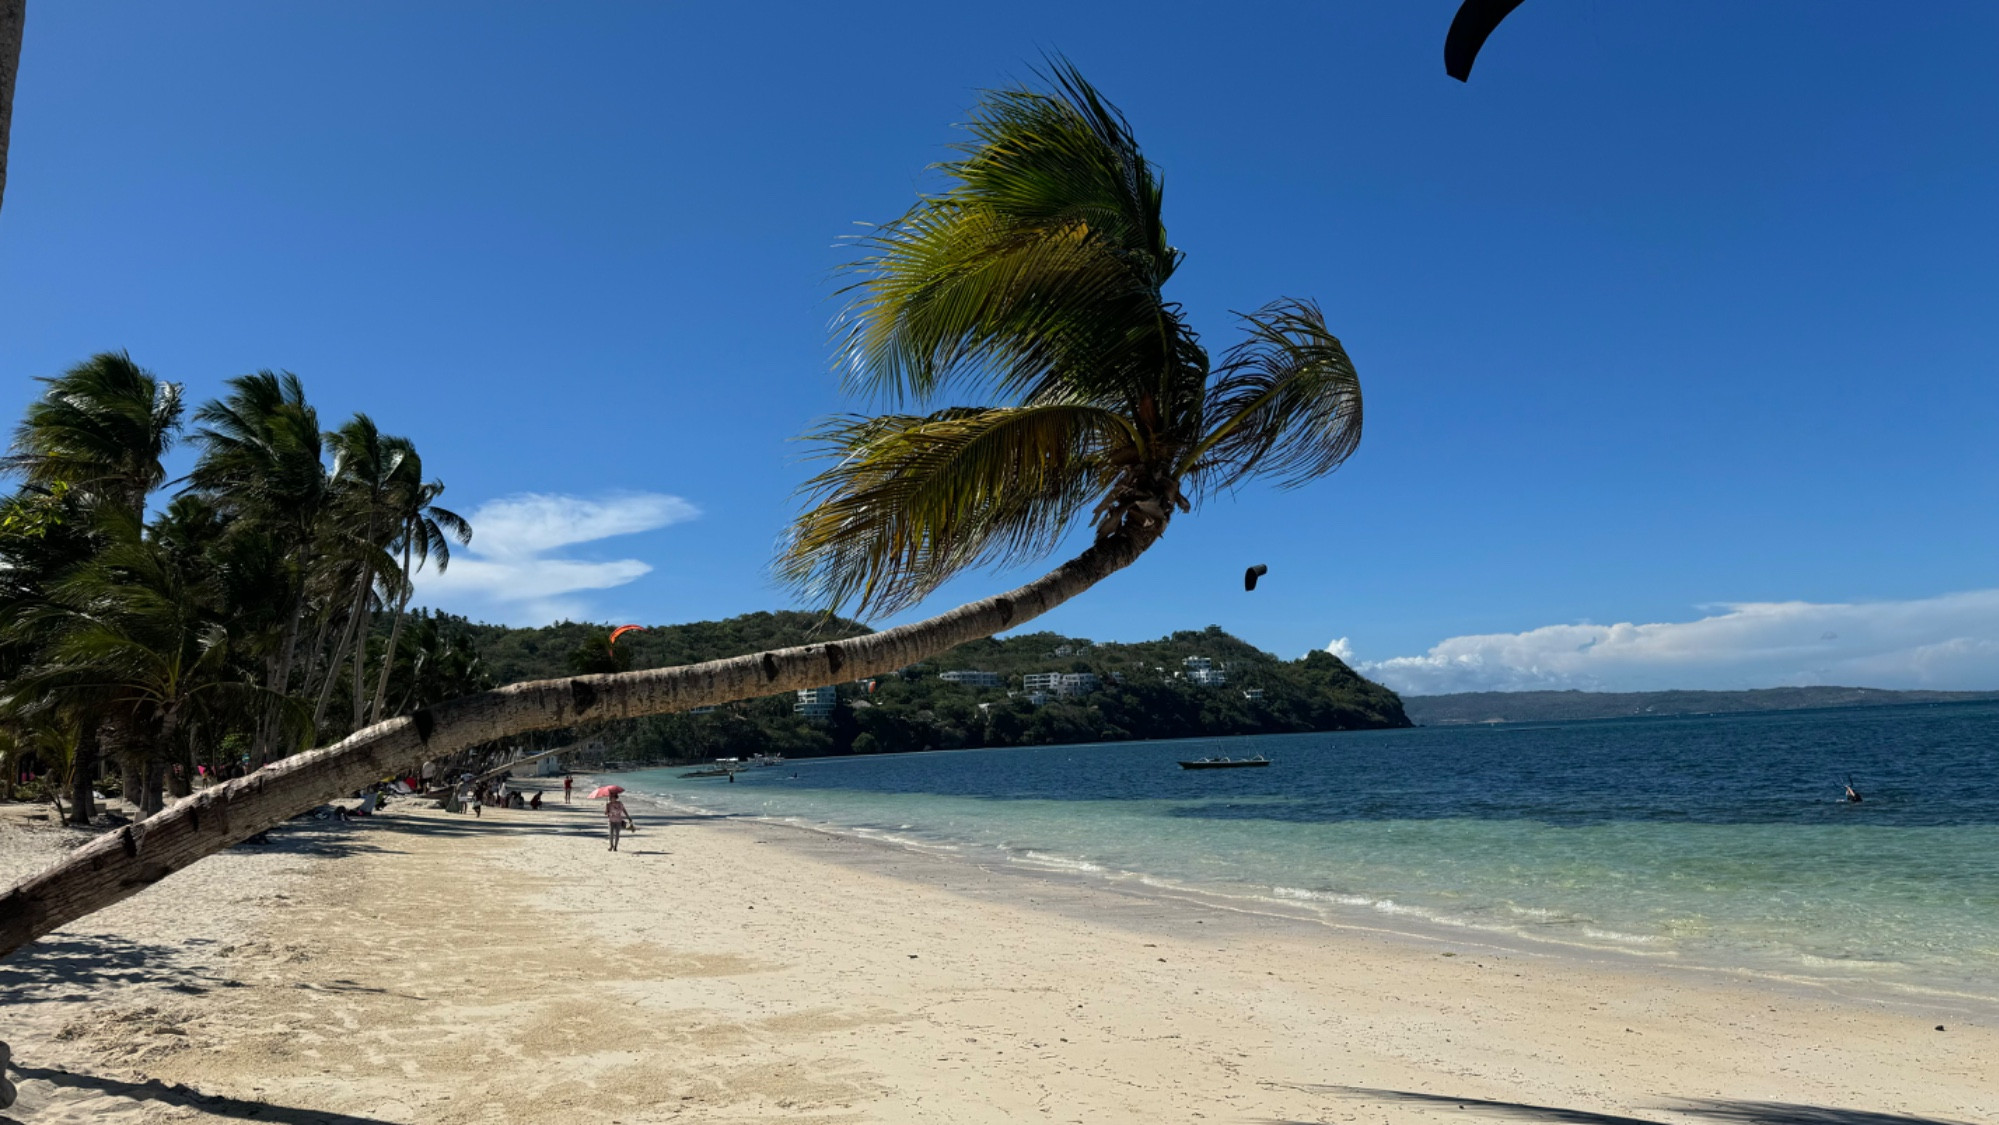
(1719, 842)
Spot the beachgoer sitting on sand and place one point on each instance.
(535, 803)
(614, 813)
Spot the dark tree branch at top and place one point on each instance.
(13, 13)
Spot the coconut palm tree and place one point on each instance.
(1036, 277)
(424, 530)
(137, 638)
(262, 463)
(364, 483)
(96, 440)
(1037, 281)
(102, 428)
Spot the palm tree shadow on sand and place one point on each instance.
(1727, 1110)
(160, 1093)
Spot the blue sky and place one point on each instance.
(1679, 316)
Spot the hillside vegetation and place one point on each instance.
(1143, 693)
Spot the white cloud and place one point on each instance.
(1342, 648)
(508, 574)
(1947, 642)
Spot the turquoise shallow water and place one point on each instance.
(1717, 842)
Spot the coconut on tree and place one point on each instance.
(1033, 285)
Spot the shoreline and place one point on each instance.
(426, 967)
(1914, 997)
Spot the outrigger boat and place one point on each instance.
(1224, 763)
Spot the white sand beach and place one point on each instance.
(422, 967)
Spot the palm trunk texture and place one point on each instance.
(118, 865)
(13, 16)
(83, 774)
(333, 674)
(395, 635)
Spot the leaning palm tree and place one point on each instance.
(366, 464)
(423, 533)
(1037, 281)
(262, 465)
(1037, 278)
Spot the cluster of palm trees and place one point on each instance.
(257, 607)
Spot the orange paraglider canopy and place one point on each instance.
(622, 630)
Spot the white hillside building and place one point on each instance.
(971, 678)
(1061, 683)
(1200, 670)
(815, 702)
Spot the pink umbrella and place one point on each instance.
(607, 791)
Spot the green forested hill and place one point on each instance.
(1144, 692)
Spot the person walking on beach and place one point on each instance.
(568, 783)
(614, 812)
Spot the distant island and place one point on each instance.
(1548, 706)
(1027, 689)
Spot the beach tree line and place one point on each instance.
(152, 630)
(1038, 381)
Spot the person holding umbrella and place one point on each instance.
(614, 811)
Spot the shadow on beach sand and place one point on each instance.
(72, 968)
(217, 1105)
(1726, 1110)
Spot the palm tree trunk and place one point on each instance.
(13, 16)
(180, 776)
(333, 673)
(308, 687)
(131, 777)
(151, 798)
(83, 772)
(267, 723)
(395, 635)
(116, 866)
(363, 611)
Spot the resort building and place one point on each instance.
(1061, 683)
(815, 702)
(971, 678)
(1253, 694)
(1202, 671)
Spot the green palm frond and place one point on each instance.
(1034, 282)
(1037, 272)
(1286, 403)
(915, 499)
(262, 450)
(102, 427)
